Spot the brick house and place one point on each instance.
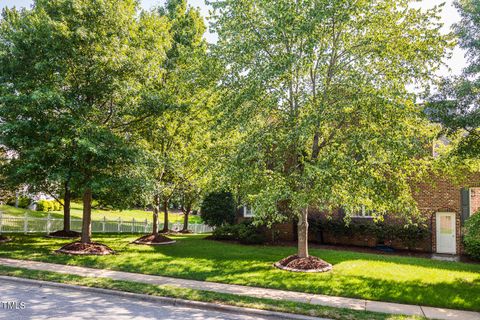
(444, 205)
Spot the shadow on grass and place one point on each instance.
(377, 277)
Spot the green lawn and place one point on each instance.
(376, 277)
(205, 296)
(98, 214)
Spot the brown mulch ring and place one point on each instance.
(154, 240)
(4, 239)
(62, 234)
(310, 264)
(91, 248)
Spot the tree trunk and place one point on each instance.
(155, 219)
(66, 208)
(303, 234)
(165, 216)
(185, 220)
(87, 216)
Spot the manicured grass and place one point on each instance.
(198, 295)
(359, 275)
(98, 214)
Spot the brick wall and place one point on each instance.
(442, 195)
(437, 195)
(474, 200)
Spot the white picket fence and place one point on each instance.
(26, 224)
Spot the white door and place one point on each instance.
(446, 234)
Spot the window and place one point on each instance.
(247, 212)
(364, 213)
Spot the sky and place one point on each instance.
(449, 16)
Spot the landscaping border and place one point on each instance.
(324, 269)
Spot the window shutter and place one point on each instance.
(465, 203)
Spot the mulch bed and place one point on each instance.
(154, 239)
(91, 248)
(4, 239)
(62, 234)
(297, 264)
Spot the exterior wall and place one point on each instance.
(437, 195)
(444, 195)
(282, 232)
(475, 200)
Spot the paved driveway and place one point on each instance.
(44, 302)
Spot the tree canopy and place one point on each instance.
(73, 76)
(457, 104)
(315, 103)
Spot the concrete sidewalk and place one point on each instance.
(318, 299)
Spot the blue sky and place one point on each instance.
(449, 16)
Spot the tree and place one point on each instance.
(182, 95)
(6, 191)
(315, 103)
(192, 170)
(218, 209)
(457, 104)
(73, 74)
(42, 175)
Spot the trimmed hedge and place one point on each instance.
(244, 232)
(409, 235)
(48, 205)
(471, 237)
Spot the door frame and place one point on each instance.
(437, 230)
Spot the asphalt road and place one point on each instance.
(24, 301)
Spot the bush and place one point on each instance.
(24, 202)
(250, 234)
(471, 237)
(244, 232)
(409, 235)
(11, 201)
(48, 205)
(56, 206)
(43, 205)
(218, 208)
(226, 232)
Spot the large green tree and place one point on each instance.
(315, 106)
(182, 94)
(457, 104)
(73, 77)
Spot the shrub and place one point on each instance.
(244, 232)
(218, 208)
(471, 237)
(250, 234)
(56, 205)
(48, 205)
(409, 235)
(226, 232)
(24, 202)
(11, 201)
(42, 205)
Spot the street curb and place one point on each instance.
(167, 300)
